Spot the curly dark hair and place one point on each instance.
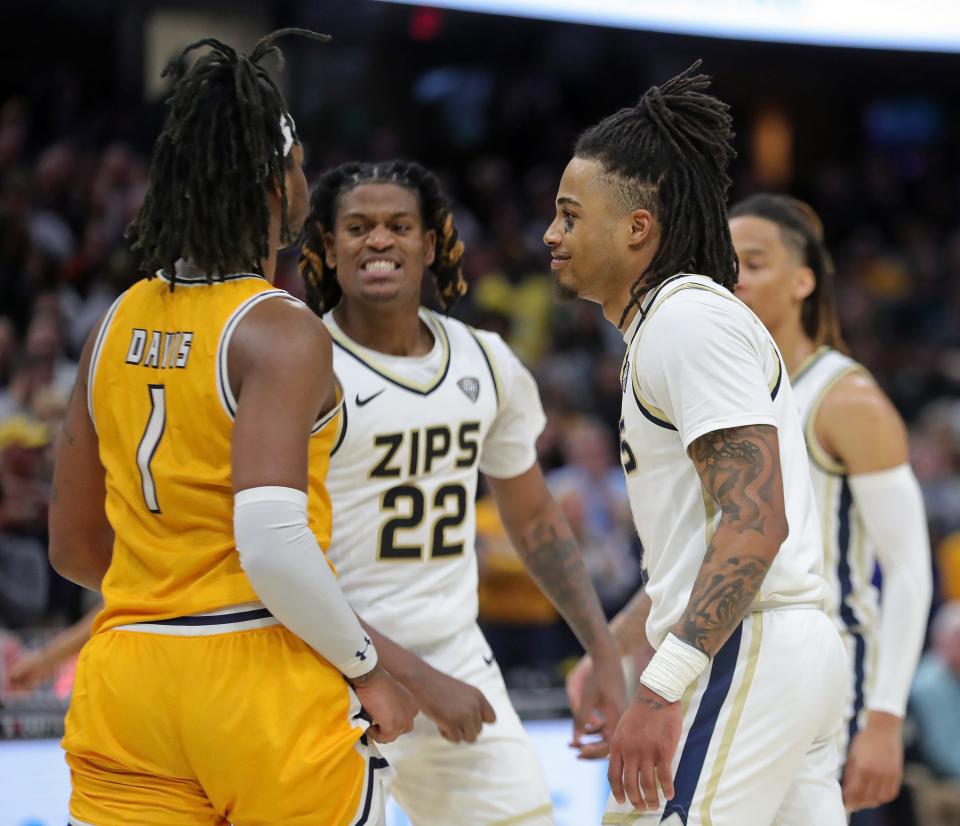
(671, 152)
(220, 152)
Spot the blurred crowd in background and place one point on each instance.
(72, 176)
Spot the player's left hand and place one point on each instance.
(874, 763)
(598, 695)
(642, 749)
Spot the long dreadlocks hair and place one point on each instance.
(322, 288)
(218, 156)
(802, 232)
(670, 154)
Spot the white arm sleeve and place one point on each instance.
(891, 506)
(291, 575)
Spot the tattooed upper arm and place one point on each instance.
(740, 468)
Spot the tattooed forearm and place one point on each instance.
(551, 556)
(718, 604)
(740, 470)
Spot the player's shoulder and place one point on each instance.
(280, 328)
(855, 396)
(487, 342)
(693, 313)
(860, 424)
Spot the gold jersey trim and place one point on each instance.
(364, 356)
(95, 354)
(491, 365)
(224, 391)
(808, 363)
(818, 455)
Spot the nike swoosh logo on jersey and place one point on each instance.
(361, 402)
(487, 660)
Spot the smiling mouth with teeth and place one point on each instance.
(381, 266)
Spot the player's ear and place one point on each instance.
(642, 227)
(804, 283)
(429, 247)
(329, 249)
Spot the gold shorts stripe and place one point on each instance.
(545, 809)
(621, 819)
(736, 712)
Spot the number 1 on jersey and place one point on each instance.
(148, 444)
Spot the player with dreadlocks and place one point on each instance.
(189, 490)
(430, 401)
(870, 504)
(731, 618)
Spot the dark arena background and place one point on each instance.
(849, 105)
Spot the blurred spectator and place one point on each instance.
(25, 476)
(23, 575)
(8, 350)
(592, 492)
(935, 697)
(43, 365)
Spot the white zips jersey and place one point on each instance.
(698, 360)
(849, 556)
(403, 478)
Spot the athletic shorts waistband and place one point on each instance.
(233, 618)
(817, 605)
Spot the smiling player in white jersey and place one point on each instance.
(430, 401)
(736, 716)
(869, 500)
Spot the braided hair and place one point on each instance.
(802, 232)
(218, 156)
(322, 288)
(670, 153)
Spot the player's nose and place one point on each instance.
(551, 237)
(379, 237)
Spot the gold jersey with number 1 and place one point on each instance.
(163, 409)
(192, 704)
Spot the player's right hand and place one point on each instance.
(587, 737)
(576, 677)
(458, 709)
(31, 669)
(390, 706)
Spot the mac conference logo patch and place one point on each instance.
(470, 387)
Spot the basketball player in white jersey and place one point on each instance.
(869, 501)
(735, 720)
(428, 402)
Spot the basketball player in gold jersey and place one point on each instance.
(871, 510)
(189, 489)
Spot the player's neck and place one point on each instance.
(613, 308)
(268, 265)
(393, 330)
(795, 345)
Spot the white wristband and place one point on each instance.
(675, 665)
